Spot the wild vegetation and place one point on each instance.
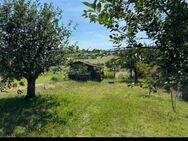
(139, 83)
(69, 108)
(163, 21)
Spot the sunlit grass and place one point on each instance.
(69, 108)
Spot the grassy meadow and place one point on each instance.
(65, 108)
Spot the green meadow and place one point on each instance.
(126, 77)
(66, 108)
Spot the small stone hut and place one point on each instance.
(83, 71)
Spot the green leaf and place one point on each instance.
(90, 10)
(103, 18)
(99, 7)
(95, 2)
(91, 5)
(93, 18)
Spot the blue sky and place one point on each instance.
(88, 35)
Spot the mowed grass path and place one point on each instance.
(73, 109)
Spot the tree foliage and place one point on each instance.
(163, 21)
(31, 40)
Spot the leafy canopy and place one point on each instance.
(32, 39)
(164, 22)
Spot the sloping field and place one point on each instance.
(72, 109)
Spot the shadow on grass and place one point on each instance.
(18, 117)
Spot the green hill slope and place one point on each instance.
(68, 108)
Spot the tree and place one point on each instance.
(113, 64)
(31, 40)
(163, 21)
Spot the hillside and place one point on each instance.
(99, 60)
(69, 108)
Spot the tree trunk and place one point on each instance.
(173, 100)
(131, 73)
(31, 87)
(135, 75)
(185, 91)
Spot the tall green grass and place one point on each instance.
(73, 109)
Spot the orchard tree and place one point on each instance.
(137, 60)
(129, 59)
(31, 40)
(163, 21)
(114, 65)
